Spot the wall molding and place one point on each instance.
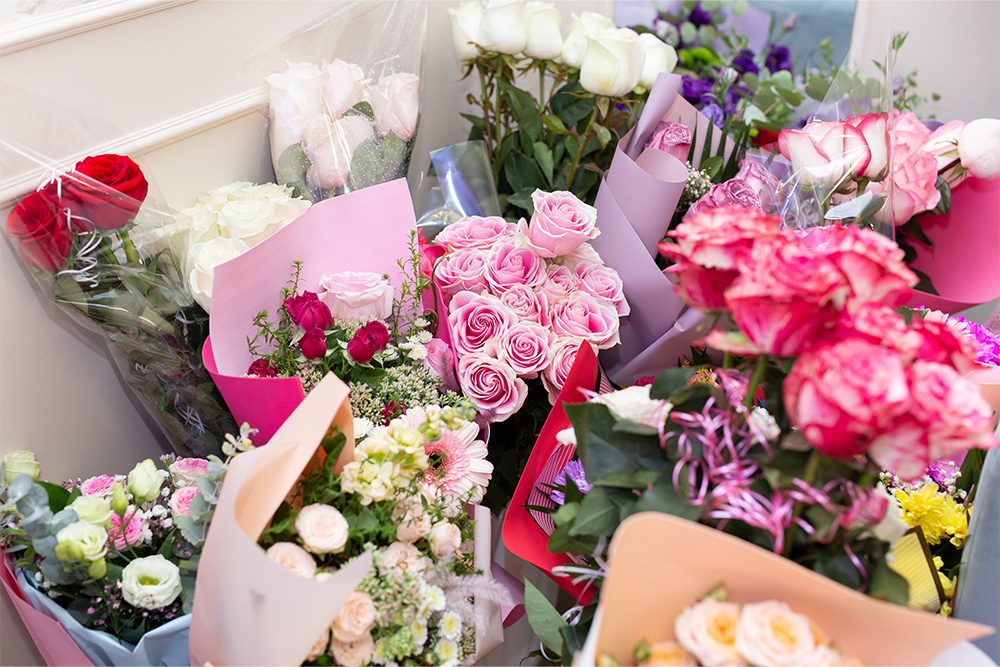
(147, 139)
(57, 25)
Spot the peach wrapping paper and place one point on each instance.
(659, 564)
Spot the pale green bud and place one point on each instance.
(119, 501)
(144, 481)
(92, 509)
(98, 568)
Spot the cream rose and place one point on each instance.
(659, 57)
(203, 258)
(144, 481)
(323, 529)
(396, 105)
(400, 557)
(151, 583)
(81, 541)
(356, 296)
(583, 26)
(465, 20)
(634, 404)
(502, 28)
(353, 654)
(613, 62)
(319, 648)
(20, 462)
(708, 630)
(293, 557)
(355, 618)
(445, 539)
(770, 634)
(544, 26)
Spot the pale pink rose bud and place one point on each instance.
(293, 557)
(330, 145)
(474, 231)
(476, 319)
(344, 88)
(560, 223)
(492, 386)
(525, 347)
(943, 143)
(396, 104)
(184, 472)
(355, 618)
(180, 501)
(441, 360)
(445, 538)
(356, 296)
(509, 265)
(527, 304)
(582, 316)
(462, 270)
(604, 283)
(400, 557)
(671, 138)
(323, 529)
(102, 485)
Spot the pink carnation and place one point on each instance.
(872, 264)
(132, 534)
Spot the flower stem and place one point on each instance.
(812, 467)
(582, 141)
(755, 380)
(130, 253)
(484, 98)
(104, 247)
(541, 87)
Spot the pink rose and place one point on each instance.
(180, 501)
(262, 368)
(441, 360)
(476, 319)
(582, 316)
(353, 654)
(562, 353)
(585, 254)
(785, 296)
(734, 192)
(508, 265)
(344, 87)
(715, 238)
(492, 386)
(560, 223)
(430, 253)
(355, 618)
(308, 311)
(330, 145)
(908, 132)
(132, 532)
(102, 485)
(761, 181)
(559, 283)
(185, 472)
(356, 296)
(873, 128)
(313, 344)
(527, 304)
(474, 231)
(913, 188)
(462, 270)
(842, 395)
(872, 264)
(525, 348)
(604, 283)
(825, 153)
(400, 557)
(396, 104)
(671, 138)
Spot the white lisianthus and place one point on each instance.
(323, 529)
(144, 481)
(81, 541)
(584, 25)
(151, 583)
(544, 25)
(612, 63)
(660, 57)
(92, 509)
(979, 148)
(502, 28)
(18, 462)
(762, 420)
(634, 404)
(203, 258)
(891, 527)
(465, 20)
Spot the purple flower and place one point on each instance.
(714, 113)
(988, 343)
(693, 89)
(699, 16)
(732, 97)
(574, 469)
(944, 474)
(743, 62)
(778, 58)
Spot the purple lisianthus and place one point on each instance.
(574, 470)
(693, 89)
(778, 58)
(743, 62)
(715, 114)
(699, 16)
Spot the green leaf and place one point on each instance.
(603, 134)
(361, 109)
(638, 480)
(543, 617)
(603, 449)
(670, 381)
(477, 121)
(292, 166)
(58, 496)
(597, 515)
(888, 585)
(378, 162)
(543, 156)
(554, 123)
(663, 498)
(561, 542)
(529, 119)
(572, 103)
(688, 32)
(913, 229)
(628, 426)
(817, 87)
(712, 166)
(945, 204)
(602, 105)
(522, 172)
(565, 514)
(790, 96)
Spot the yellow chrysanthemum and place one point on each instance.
(937, 514)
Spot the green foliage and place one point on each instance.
(543, 618)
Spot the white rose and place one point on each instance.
(144, 481)
(292, 557)
(151, 582)
(567, 436)
(396, 105)
(502, 28)
(445, 539)
(544, 25)
(353, 654)
(330, 145)
(891, 527)
(247, 219)
(344, 87)
(583, 26)
(323, 529)
(660, 57)
(20, 462)
(634, 404)
(81, 541)
(355, 618)
(296, 97)
(465, 20)
(979, 148)
(770, 634)
(203, 258)
(708, 631)
(613, 62)
(356, 296)
(92, 509)
(414, 522)
(400, 557)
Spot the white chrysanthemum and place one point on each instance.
(434, 598)
(362, 427)
(451, 625)
(446, 650)
(418, 628)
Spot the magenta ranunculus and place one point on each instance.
(475, 320)
(475, 232)
(262, 368)
(313, 344)
(308, 311)
(369, 339)
(604, 283)
(128, 532)
(843, 395)
(462, 270)
(527, 304)
(872, 264)
(525, 348)
(562, 354)
(559, 283)
(582, 316)
(734, 192)
(671, 138)
(560, 223)
(491, 385)
(785, 296)
(508, 265)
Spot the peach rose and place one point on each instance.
(323, 529)
(708, 630)
(292, 557)
(353, 654)
(355, 618)
(771, 634)
(445, 538)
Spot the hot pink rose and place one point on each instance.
(527, 304)
(262, 368)
(491, 385)
(308, 311)
(559, 283)
(562, 353)
(180, 502)
(582, 316)
(430, 253)
(525, 348)
(396, 104)
(560, 223)
(604, 283)
(185, 472)
(785, 296)
(671, 138)
(508, 265)
(766, 186)
(475, 320)
(475, 232)
(462, 270)
(734, 192)
(102, 485)
(131, 534)
(840, 396)
(913, 179)
(367, 341)
(872, 263)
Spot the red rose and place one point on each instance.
(371, 338)
(313, 344)
(41, 234)
(107, 190)
(308, 311)
(262, 368)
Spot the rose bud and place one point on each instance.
(313, 344)
(262, 368)
(308, 311)
(371, 338)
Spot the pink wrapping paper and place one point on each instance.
(366, 230)
(964, 264)
(50, 637)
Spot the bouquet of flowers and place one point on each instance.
(113, 557)
(591, 84)
(347, 122)
(88, 237)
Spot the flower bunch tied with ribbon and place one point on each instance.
(89, 236)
